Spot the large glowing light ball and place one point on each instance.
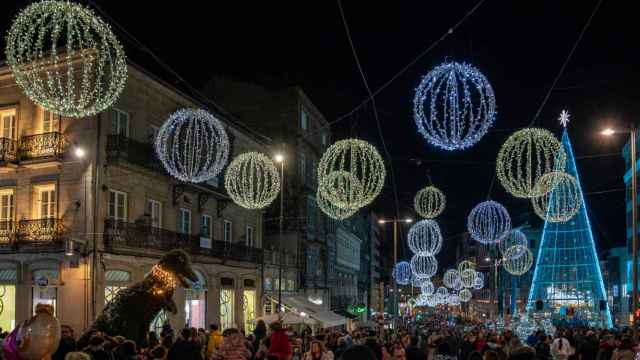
(516, 237)
(525, 157)
(466, 264)
(450, 277)
(465, 295)
(252, 180)
(561, 200)
(402, 273)
(418, 282)
(442, 294)
(431, 301)
(423, 265)
(489, 222)
(429, 202)
(427, 288)
(478, 283)
(192, 145)
(425, 237)
(331, 210)
(362, 161)
(457, 285)
(517, 265)
(66, 58)
(454, 106)
(468, 277)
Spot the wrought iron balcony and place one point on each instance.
(28, 234)
(122, 236)
(120, 147)
(49, 145)
(8, 150)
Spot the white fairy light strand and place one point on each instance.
(468, 278)
(423, 265)
(402, 273)
(562, 202)
(465, 295)
(515, 237)
(517, 265)
(427, 287)
(454, 106)
(450, 277)
(525, 157)
(425, 237)
(429, 202)
(331, 210)
(66, 58)
(489, 222)
(192, 145)
(466, 264)
(252, 180)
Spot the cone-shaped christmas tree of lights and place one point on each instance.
(567, 277)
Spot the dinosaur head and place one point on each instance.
(178, 263)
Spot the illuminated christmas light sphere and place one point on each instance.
(252, 180)
(457, 284)
(468, 278)
(425, 237)
(192, 145)
(331, 210)
(465, 295)
(453, 299)
(517, 265)
(525, 157)
(450, 277)
(442, 294)
(489, 222)
(466, 264)
(431, 300)
(402, 273)
(66, 58)
(454, 106)
(429, 202)
(478, 283)
(423, 265)
(419, 282)
(561, 200)
(516, 237)
(427, 288)
(359, 159)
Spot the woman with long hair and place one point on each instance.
(317, 351)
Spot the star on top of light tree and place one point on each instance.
(564, 118)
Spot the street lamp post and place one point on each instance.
(280, 159)
(634, 224)
(395, 257)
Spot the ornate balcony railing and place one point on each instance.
(31, 233)
(119, 235)
(135, 152)
(8, 150)
(47, 145)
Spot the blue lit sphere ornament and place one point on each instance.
(425, 237)
(478, 283)
(427, 288)
(423, 265)
(453, 299)
(442, 294)
(418, 282)
(516, 237)
(517, 264)
(489, 222)
(192, 145)
(402, 273)
(454, 106)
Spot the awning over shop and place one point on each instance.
(288, 318)
(326, 317)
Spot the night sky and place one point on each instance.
(519, 46)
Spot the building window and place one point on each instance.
(227, 308)
(50, 121)
(290, 285)
(227, 231)
(45, 290)
(195, 307)
(311, 217)
(304, 120)
(6, 212)
(267, 283)
(119, 123)
(110, 292)
(324, 138)
(302, 167)
(8, 280)
(205, 226)
(115, 280)
(249, 235)
(154, 209)
(8, 123)
(249, 309)
(45, 201)
(184, 221)
(118, 205)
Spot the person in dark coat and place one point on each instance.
(67, 343)
(185, 348)
(413, 352)
(543, 348)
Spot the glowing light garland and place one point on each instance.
(465, 295)
(516, 237)
(488, 222)
(402, 273)
(478, 283)
(453, 299)
(252, 180)
(525, 157)
(66, 58)
(192, 145)
(457, 284)
(419, 282)
(442, 294)
(454, 106)
(423, 265)
(466, 264)
(425, 237)
(427, 288)
(561, 200)
(429, 202)
(450, 277)
(431, 300)
(468, 278)
(166, 280)
(362, 162)
(517, 265)
(331, 210)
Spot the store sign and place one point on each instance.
(42, 281)
(205, 243)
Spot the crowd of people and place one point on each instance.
(424, 341)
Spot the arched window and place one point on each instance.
(227, 303)
(195, 306)
(249, 305)
(115, 280)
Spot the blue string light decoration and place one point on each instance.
(192, 145)
(402, 273)
(427, 288)
(489, 222)
(423, 265)
(454, 106)
(419, 282)
(516, 237)
(425, 237)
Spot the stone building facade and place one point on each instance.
(86, 208)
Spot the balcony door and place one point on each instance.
(46, 201)
(6, 214)
(154, 209)
(8, 123)
(50, 122)
(119, 123)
